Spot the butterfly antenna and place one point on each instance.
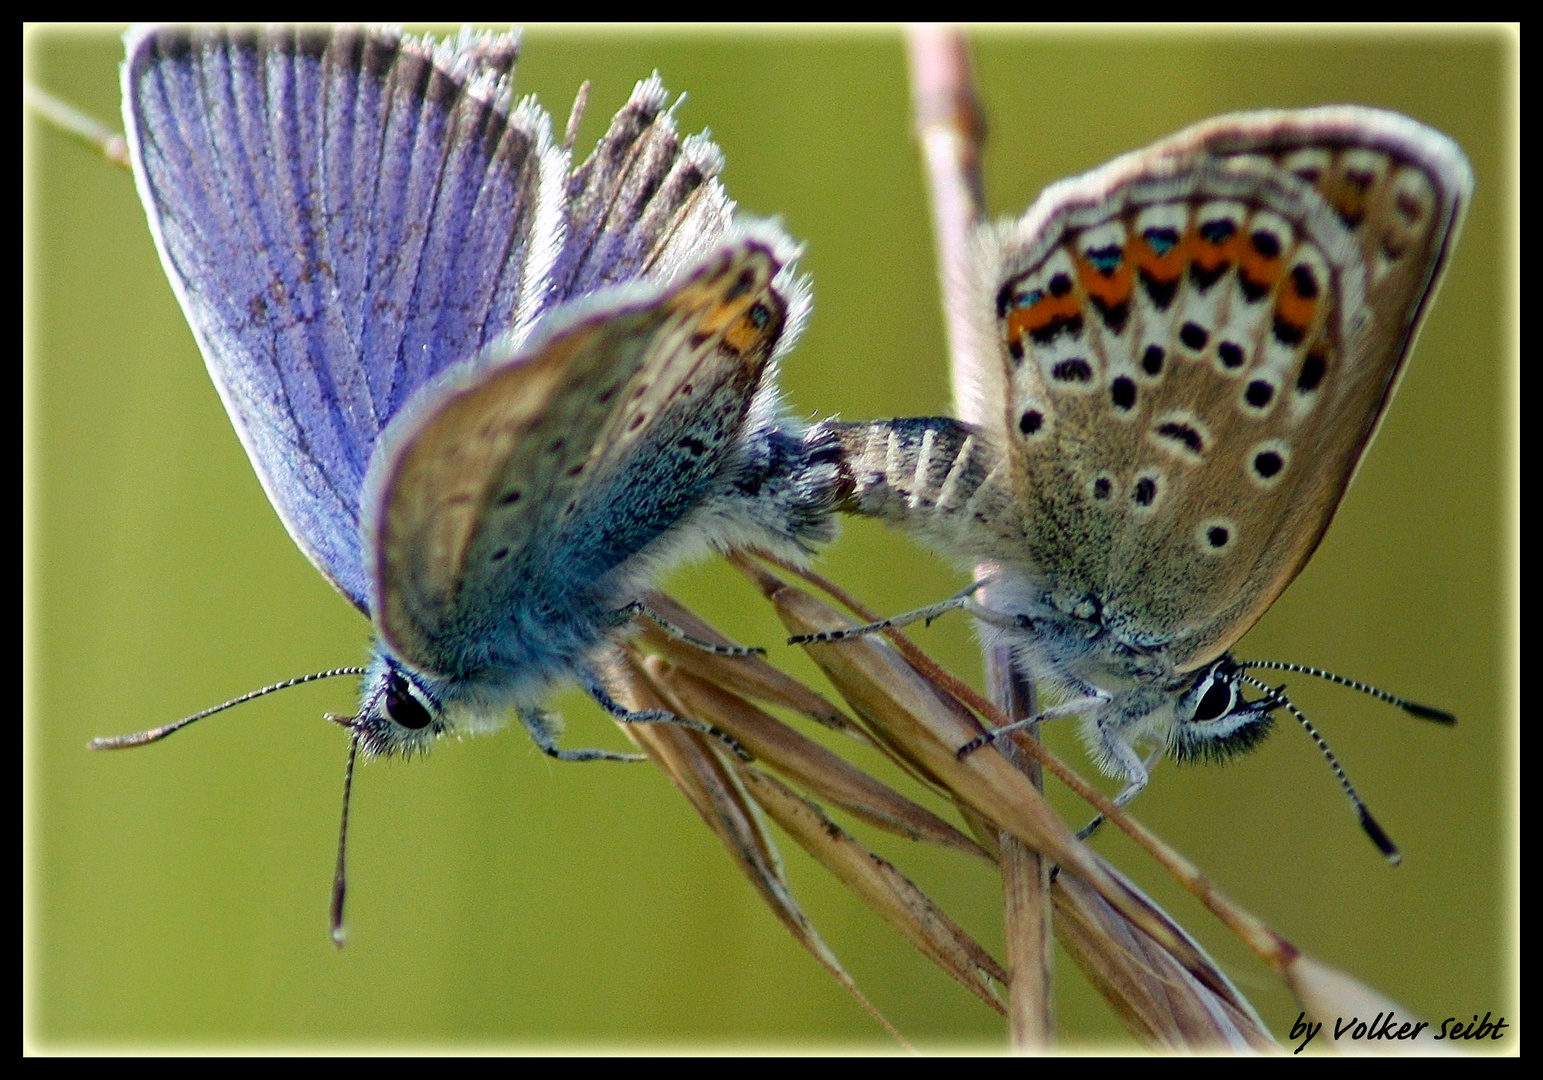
(340, 875)
(1368, 823)
(140, 738)
(1414, 708)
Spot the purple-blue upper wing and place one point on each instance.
(342, 214)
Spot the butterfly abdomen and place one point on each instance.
(929, 476)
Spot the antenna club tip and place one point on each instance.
(339, 936)
(1381, 839)
(124, 742)
(1425, 712)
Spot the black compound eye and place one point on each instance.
(402, 707)
(1217, 701)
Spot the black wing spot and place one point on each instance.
(1182, 433)
(1304, 281)
(1267, 463)
(1218, 231)
(1265, 243)
(1287, 333)
(1115, 316)
(1005, 299)
(1313, 367)
(1204, 278)
(1075, 370)
(742, 284)
(1068, 324)
(1122, 392)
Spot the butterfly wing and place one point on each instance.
(645, 203)
(342, 214)
(518, 500)
(1197, 342)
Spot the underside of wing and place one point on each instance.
(1197, 343)
(668, 451)
(343, 214)
(517, 491)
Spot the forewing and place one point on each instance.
(342, 214)
(1197, 342)
(540, 474)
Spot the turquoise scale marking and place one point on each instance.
(1105, 261)
(1161, 241)
(1029, 299)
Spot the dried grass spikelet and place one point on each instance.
(1161, 984)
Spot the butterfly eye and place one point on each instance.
(1217, 701)
(402, 707)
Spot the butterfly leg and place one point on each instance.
(1067, 708)
(1129, 792)
(964, 599)
(543, 730)
(625, 614)
(624, 715)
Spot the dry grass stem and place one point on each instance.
(698, 766)
(1327, 994)
(1161, 984)
(748, 676)
(893, 896)
(1159, 981)
(809, 764)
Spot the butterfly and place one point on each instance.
(1186, 352)
(488, 393)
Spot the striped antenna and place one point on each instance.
(339, 876)
(1424, 712)
(141, 738)
(1368, 823)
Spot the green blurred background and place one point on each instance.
(177, 894)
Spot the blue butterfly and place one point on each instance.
(488, 394)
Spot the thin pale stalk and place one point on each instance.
(1025, 884)
(951, 128)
